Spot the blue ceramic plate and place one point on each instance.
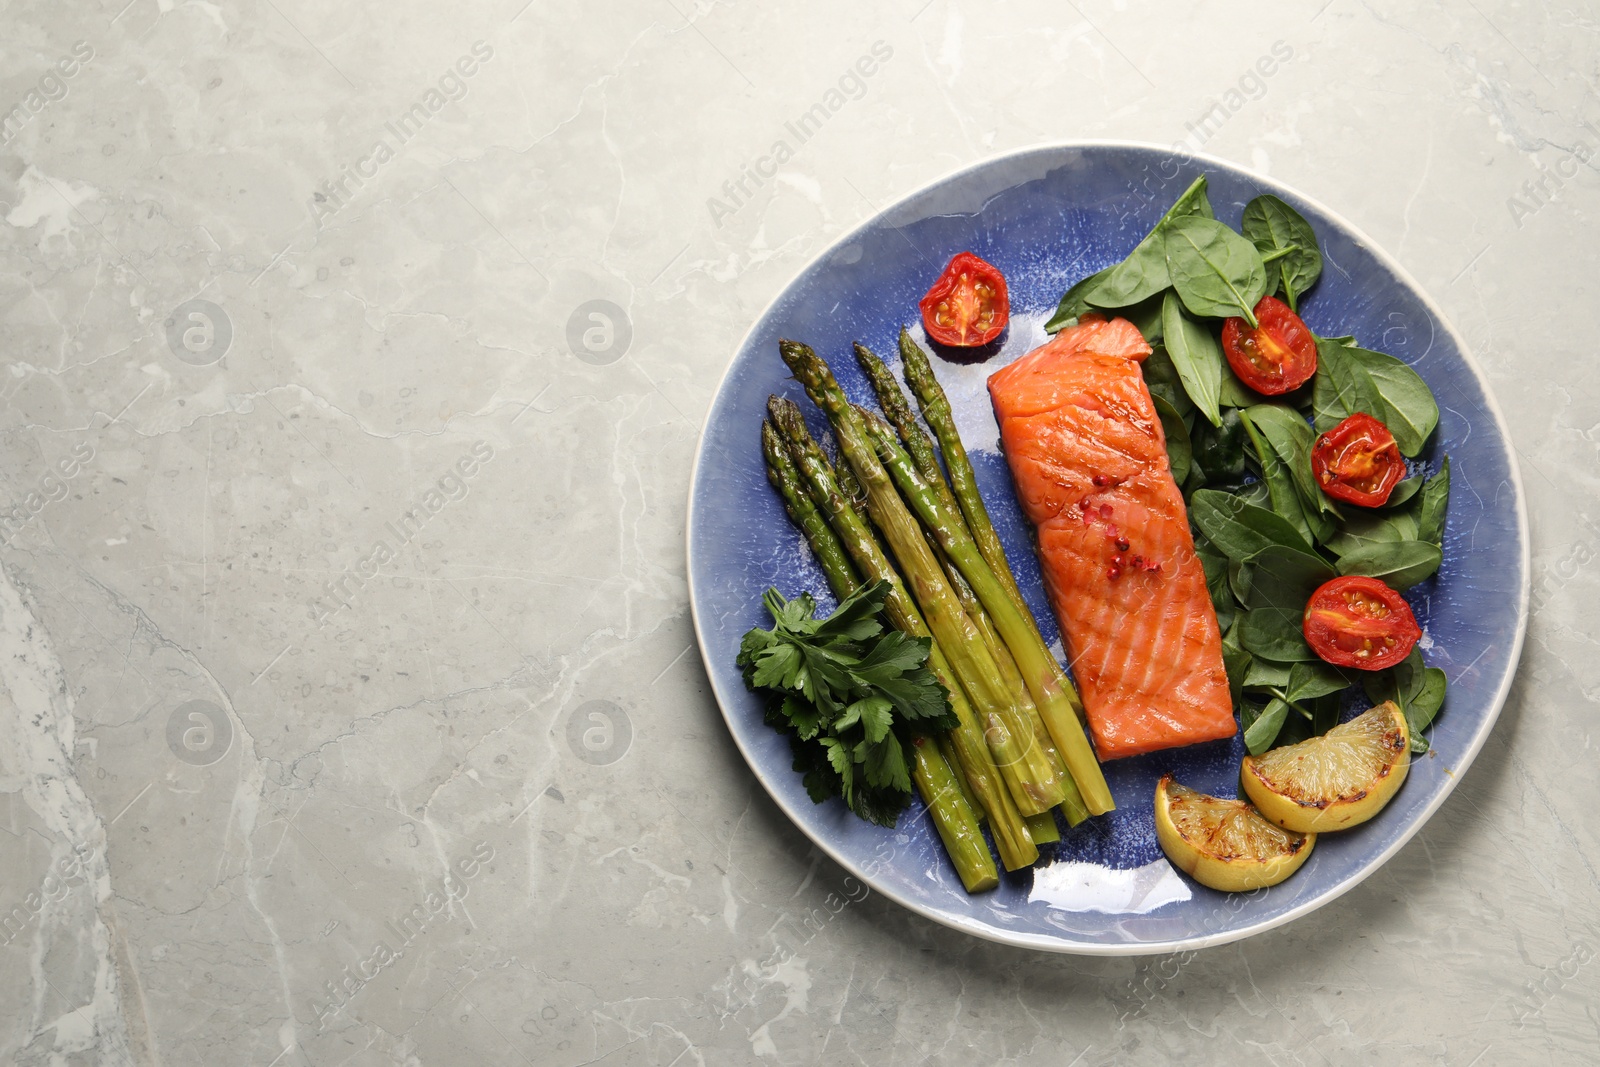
(1047, 217)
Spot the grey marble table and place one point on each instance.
(354, 360)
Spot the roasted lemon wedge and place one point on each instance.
(1340, 779)
(1225, 844)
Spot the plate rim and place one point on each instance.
(1040, 942)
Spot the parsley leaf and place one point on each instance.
(850, 693)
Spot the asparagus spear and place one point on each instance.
(895, 406)
(785, 478)
(1043, 828)
(1056, 703)
(1017, 849)
(948, 748)
(920, 448)
(953, 809)
(1035, 785)
(964, 483)
(850, 487)
(1072, 806)
(857, 537)
(954, 818)
(917, 444)
(936, 409)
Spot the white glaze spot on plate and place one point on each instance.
(1075, 886)
(967, 384)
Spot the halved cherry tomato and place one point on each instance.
(1360, 622)
(968, 305)
(1358, 462)
(1280, 354)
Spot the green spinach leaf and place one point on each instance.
(1073, 303)
(1274, 226)
(1235, 660)
(1404, 490)
(1192, 201)
(1239, 575)
(1426, 700)
(1368, 529)
(1435, 499)
(1316, 679)
(1264, 727)
(1180, 456)
(1351, 379)
(1275, 634)
(1401, 565)
(1215, 565)
(1264, 673)
(1255, 494)
(1342, 385)
(1410, 410)
(1219, 451)
(1324, 713)
(1240, 530)
(1292, 438)
(1161, 378)
(1284, 578)
(1234, 393)
(1281, 488)
(1196, 355)
(1418, 689)
(1144, 273)
(1146, 317)
(1216, 272)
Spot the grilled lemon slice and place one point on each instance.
(1225, 844)
(1340, 779)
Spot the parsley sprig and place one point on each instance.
(850, 693)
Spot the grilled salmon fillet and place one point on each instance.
(1089, 459)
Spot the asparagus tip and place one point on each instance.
(911, 354)
(875, 423)
(786, 415)
(793, 350)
